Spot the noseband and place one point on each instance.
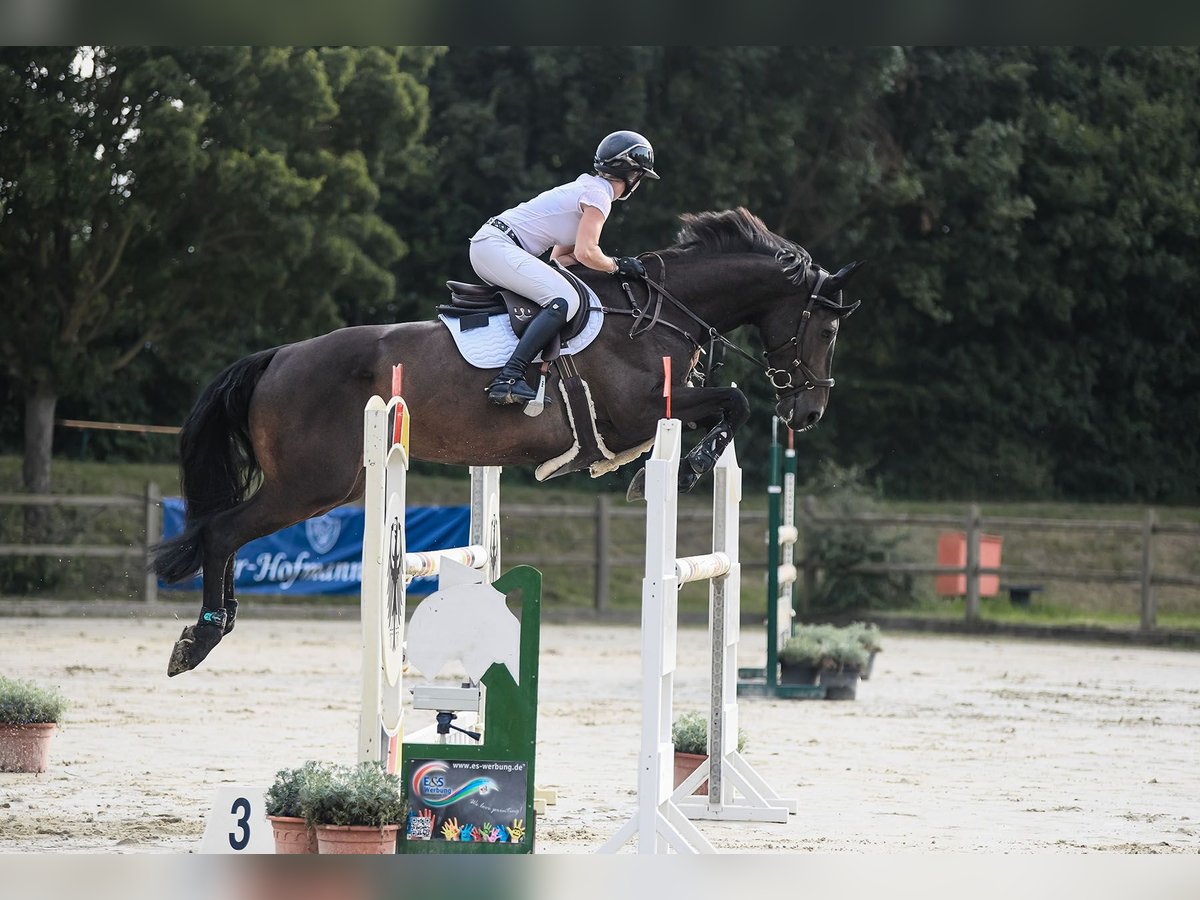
(785, 386)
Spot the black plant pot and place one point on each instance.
(841, 685)
(866, 673)
(798, 673)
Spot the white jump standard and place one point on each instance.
(385, 457)
(735, 791)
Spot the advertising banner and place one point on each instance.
(323, 555)
(467, 800)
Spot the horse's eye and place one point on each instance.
(828, 333)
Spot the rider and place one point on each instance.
(566, 220)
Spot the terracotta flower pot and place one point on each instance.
(334, 839)
(292, 835)
(25, 748)
(685, 765)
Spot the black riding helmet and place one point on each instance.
(628, 156)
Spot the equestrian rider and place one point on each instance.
(567, 220)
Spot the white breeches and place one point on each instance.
(500, 262)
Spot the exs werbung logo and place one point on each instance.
(430, 786)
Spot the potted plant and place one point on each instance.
(353, 809)
(689, 734)
(29, 714)
(292, 833)
(867, 634)
(827, 655)
(845, 661)
(803, 655)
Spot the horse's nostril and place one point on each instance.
(812, 418)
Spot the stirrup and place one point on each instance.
(504, 391)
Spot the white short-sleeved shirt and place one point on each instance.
(552, 217)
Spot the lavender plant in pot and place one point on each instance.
(29, 715)
(827, 655)
(353, 809)
(868, 635)
(689, 734)
(803, 656)
(846, 659)
(292, 833)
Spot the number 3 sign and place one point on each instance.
(237, 822)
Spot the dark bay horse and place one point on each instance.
(277, 437)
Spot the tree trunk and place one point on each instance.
(40, 404)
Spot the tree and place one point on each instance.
(1032, 327)
(188, 204)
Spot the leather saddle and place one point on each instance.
(474, 304)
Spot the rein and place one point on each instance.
(783, 387)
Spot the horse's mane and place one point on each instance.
(739, 231)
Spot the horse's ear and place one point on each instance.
(838, 280)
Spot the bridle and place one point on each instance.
(794, 267)
(787, 386)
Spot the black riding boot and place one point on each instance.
(510, 386)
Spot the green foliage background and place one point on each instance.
(1029, 215)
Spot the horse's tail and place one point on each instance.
(216, 462)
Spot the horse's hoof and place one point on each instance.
(231, 606)
(687, 481)
(181, 656)
(193, 645)
(637, 487)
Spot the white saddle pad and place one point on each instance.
(490, 346)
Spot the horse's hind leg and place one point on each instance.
(270, 509)
(217, 608)
(228, 603)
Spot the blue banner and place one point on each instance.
(323, 555)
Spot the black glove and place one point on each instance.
(630, 267)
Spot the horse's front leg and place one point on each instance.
(722, 411)
(727, 409)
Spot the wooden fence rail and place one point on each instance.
(601, 560)
(973, 525)
(150, 503)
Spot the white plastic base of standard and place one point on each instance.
(758, 802)
(671, 830)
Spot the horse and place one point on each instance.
(276, 438)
